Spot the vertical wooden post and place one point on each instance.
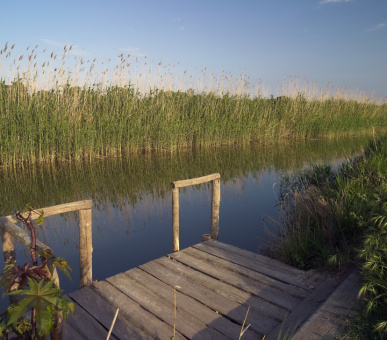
(215, 204)
(57, 329)
(175, 219)
(9, 255)
(85, 247)
(8, 247)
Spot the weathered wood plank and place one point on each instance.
(233, 310)
(329, 320)
(186, 324)
(228, 291)
(134, 313)
(83, 324)
(259, 263)
(194, 181)
(70, 333)
(243, 272)
(262, 290)
(190, 305)
(304, 310)
(104, 313)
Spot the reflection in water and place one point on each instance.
(132, 218)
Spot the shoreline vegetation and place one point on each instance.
(332, 219)
(71, 109)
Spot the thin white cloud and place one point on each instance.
(177, 19)
(323, 2)
(52, 42)
(134, 51)
(376, 27)
(181, 28)
(75, 50)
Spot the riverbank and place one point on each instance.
(332, 218)
(76, 123)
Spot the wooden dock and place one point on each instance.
(215, 284)
(208, 291)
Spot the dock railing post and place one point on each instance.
(175, 219)
(215, 204)
(9, 255)
(85, 247)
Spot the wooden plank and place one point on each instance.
(233, 310)
(194, 181)
(230, 292)
(243, 272)
(262, 290)
(58, 209)
(330, 319)
(257, 257)
(259, 263)
(186, 324)
(134, 313)
(83, 324)
(70, 333)
(190, 305)
(104, 313)
(306, 308)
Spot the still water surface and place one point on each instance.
(132, 213)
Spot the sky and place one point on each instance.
(342, 43)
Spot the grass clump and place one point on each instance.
(335, 217)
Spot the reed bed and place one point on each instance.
(66, 108)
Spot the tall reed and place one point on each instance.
(66, 108)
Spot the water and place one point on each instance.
(132, 213)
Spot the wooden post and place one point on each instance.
(9, 255)
(85, 247)
(175, 219)
(215, 204)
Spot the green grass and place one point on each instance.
(59, 112)
(334, 217)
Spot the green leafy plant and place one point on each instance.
(374, 271)
(34, 283)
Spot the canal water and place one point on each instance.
(132, 211)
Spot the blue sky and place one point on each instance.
(341, 42)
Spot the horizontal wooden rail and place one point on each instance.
(193, 181)
(59, 209)
(215, 204)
